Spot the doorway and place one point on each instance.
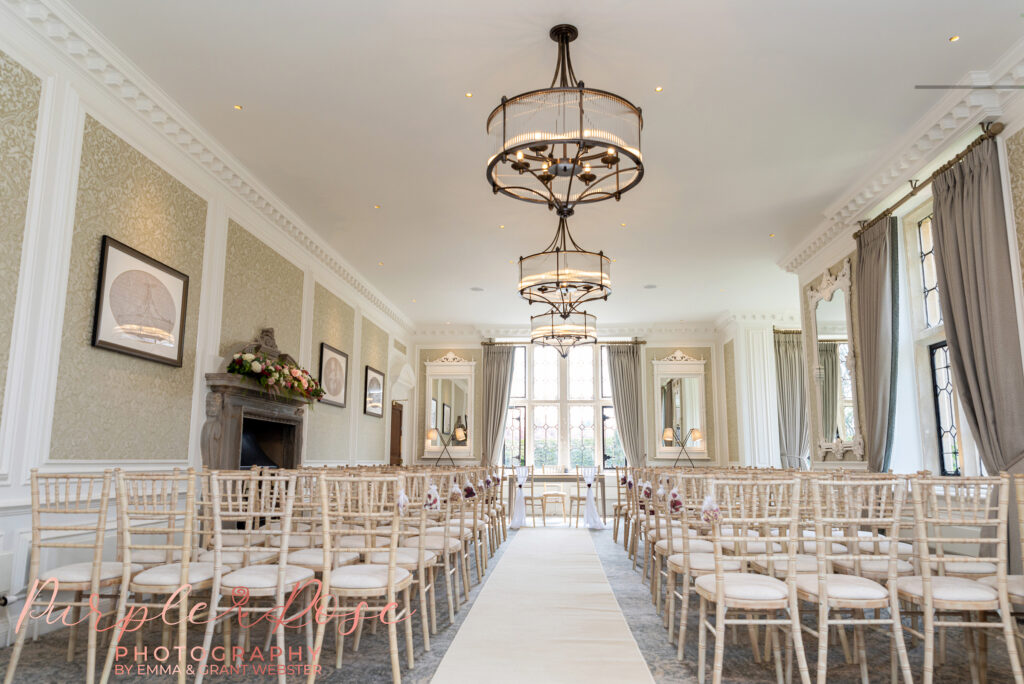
(396, 434)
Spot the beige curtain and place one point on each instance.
(625, 368)
(878, 326)
(498, 361)
(794, 437)
(828, 357)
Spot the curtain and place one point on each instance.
(625, 370)
(972, 254)
(828, 357)
(794, 428)
(878, 326)
(518, 518)
(591, 518)
(498, 360)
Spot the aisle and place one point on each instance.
(546, 614)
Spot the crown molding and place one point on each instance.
(75, 39)
(431, 333)
(952, 117)
(758, 318)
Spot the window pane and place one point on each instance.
(933, 314)
(581, 373)
(614, 454)
(606, 378)
(545, 373)
(945, 414)
(518, 390)
(846, 383)
(929, 279)
(515, 437)
(581, 435)
(545, 435)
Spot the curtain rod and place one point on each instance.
(991, 130)
(789, 331)
(491, 343)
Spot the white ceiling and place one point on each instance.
(769, 111)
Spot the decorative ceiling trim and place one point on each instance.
(76, 39)
(952, 117)
(449, 358)
(678, 356)
(440, 332)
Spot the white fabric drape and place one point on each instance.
(591, 518)
(519, 506)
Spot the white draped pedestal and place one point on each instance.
(546, 614)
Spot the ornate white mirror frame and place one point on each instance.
(449, 367)
(678, 365)
(828, 285)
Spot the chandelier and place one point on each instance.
(564, 275)
(565, 144)
(563, 332)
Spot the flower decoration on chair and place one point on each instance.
(675, 502)
(433, 499)
(709, 511)
(277, 377)
(468, 490)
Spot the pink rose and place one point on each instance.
(296, 373)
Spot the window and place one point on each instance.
(929, 278)
(559, 401)
(947, 434)
(606, 378)
(845, 407)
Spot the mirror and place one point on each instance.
(836, 387)
(449, 399)
(681, 402)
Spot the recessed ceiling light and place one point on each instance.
(380, 263)
(238, 107)
(376, 206)
(447, 322)
(511, 261)
(502, 225)
(954, 38)
(613, 261)
(771, 234)
(650, 287)
(414, 301)
(658, 89)
(623, 225)
(469, 94)
(476, 289)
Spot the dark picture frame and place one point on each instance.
(446, 419)
(373, 392)
(331, 359)
(141, 305)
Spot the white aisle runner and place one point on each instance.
(546, 614)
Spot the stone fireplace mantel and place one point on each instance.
(231, 400)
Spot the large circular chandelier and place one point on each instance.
(563, 332)
(565, 144)
(564, 275)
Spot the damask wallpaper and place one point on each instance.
(470, 354)
(262, 289)
(109, 405)
(1015, 160)
(19, 109)
(373, 347)
(699, 353)
(328, 426)
(732, 418)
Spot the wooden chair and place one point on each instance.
(954, 515)
(66, 507)
(619, 509)
(161, 505)
(440, 539)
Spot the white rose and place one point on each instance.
(238, 356)
(248, 357)
(255, 367)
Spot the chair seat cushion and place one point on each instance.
(882, 547)
(82, 572)
(264, 576)
(983, 568)
(746, 586)
(804, 563)
(295, 541)
(843, 587)
(433, 542)
(876, 565)
(169, 575)
(696, 546)
(751, 547)
(703, 562)
(1014, 586)
(404, 557)
(360, 541)
(948, 588)
(365, 576)
(237, 557)
(154, 556)
(314, 558)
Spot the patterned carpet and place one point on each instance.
(43, 661)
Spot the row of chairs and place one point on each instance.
(372, 537)
(772, 549)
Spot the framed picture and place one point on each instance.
(446, 419)
(373, 393)
(333, 375)
(433, 413)
(140, 305)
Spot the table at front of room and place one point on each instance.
(561, 478)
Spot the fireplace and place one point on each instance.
(246, 426)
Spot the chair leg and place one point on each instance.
(862, 653)
(396, 674)
(798, 641)
(684, 616)
(1010, 635)
(774, 631)
(409, 658)
(702, 639)
(897, 637)
(424, 614)
(450, 593)
(73, 631)
(822, 642)
(716, 668)
(670, 603)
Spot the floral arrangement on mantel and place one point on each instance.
(275, 372)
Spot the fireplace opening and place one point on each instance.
(267, 444)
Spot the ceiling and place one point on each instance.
(769, 111)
